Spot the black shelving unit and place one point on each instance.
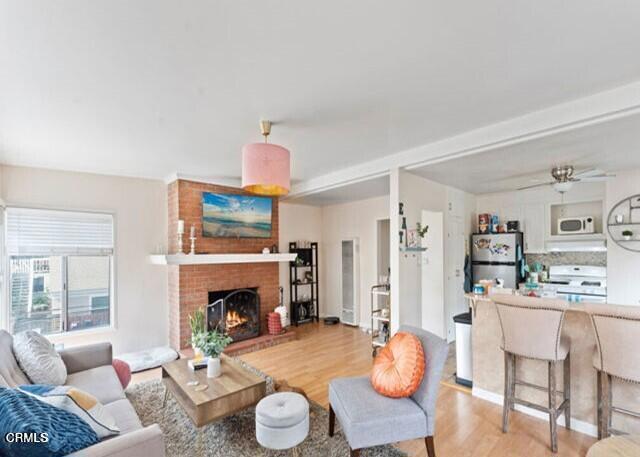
(300, 284)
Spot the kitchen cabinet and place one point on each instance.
(534, 227)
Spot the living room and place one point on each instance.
(219, 240)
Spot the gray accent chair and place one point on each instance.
(370, 419)
(89, 368)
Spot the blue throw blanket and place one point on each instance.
(51, 431)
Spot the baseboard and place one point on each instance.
(577, 425)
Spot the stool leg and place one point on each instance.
(506, 404)
(553, 427)
(294, 451)
(566, 377)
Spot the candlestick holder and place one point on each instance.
(193, 245)
(180, 244)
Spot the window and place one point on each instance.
(60, 270)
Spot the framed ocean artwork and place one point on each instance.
(235, 216)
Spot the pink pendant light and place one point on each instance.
(266, 167)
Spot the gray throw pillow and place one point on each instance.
(38, 359)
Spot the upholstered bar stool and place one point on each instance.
(617, 330)
(532, 329)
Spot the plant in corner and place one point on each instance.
(196, 322)
(212, 343)
(627, 234)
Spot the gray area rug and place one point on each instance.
(235, 435)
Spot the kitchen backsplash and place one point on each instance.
(569, 258)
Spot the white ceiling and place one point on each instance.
(610, 146)
(154, 87)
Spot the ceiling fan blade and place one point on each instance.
(593, 173)
(537, 185)
(599, 178)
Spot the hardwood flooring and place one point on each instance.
(465, 426)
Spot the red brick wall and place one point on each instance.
(189, 284)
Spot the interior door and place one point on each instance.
(454, 254)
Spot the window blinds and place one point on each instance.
(50, 232)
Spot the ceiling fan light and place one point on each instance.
(563, 187)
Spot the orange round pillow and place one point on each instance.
(399, 367)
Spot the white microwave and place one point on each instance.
(573, 225)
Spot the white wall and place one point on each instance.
(623, 267)
(300, 222)
(140, 210)
(351, 220)
(417, 194)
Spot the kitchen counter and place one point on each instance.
(488, 367)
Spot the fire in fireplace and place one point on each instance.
(236, 312)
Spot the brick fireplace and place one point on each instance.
(189, 285)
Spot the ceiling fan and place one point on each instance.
(564, 178)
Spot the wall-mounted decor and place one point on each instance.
(235, 216)
(623, 223)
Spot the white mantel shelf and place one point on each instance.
(207, 259)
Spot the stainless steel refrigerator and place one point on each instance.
(497, 256)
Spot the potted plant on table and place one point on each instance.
(627, 234)
(212, 343)
(196, 322)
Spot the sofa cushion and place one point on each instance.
(124, 415)
(78, 402)
(38, 358)
(101, 382)
(10, 373)
(21, 412)
(370, 419)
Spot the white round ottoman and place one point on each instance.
(282, 420)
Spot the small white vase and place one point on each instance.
(213, 367)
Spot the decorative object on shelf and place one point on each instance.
(180, 233)
(197, 325)
(413, 238)
(266, 168)
(622, 219)
(192, 238)
(236, 216)
(265, 250)
(274, 249)
(212, 344)
(483, 223)
(422, 231)
(274, 323)
(303, 295)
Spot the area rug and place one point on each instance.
(235, 435)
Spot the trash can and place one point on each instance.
(464, 363)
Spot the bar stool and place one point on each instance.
(617, 330)
(531, 328)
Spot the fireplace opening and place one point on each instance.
(236, 312)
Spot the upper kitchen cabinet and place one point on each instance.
(534, 227)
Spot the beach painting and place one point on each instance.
(235, 216)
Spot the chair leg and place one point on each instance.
(608, 404)
(332, 420)
(355, 452)
(506, 404)
(599, 402)
(566, 377)
(553, 427)
(431, 450)
(512, 403)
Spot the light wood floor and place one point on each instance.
(465, 426)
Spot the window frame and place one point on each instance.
(5, 274)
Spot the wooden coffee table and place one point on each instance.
(236, 389)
